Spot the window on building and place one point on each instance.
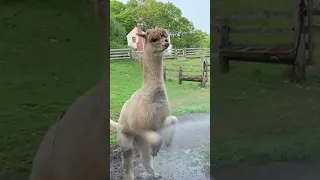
(133, 39)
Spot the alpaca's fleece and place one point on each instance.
(147, 112)
(154, 35)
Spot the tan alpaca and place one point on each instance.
(76, 147)
(147, 112)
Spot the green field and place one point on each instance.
(258, 117)
(50, 55)
(126, 78)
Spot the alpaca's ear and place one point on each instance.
(148, 32)
(143, 35)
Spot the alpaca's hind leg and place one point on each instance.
(147, 159)
(125, 142)
(167, 129)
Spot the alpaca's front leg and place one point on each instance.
(167, 130)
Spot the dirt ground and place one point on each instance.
(187, 159)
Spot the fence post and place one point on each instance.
(301, 60)
(130, 53)
(180, 75)
(310, 33)
(224, 32)
(164, 73)
(184, 52)
(175, 53)
(224, 41)
(204, 72)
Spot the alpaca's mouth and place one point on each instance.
(166, 45)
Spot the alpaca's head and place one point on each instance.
(155, 40)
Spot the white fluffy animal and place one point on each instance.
(145, 120)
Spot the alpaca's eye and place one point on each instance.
(154, 40)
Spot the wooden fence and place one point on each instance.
(120, 54)
(313, 26)
(216, 28)
(260, 15)
(175, 53)
(196, 73)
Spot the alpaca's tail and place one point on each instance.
(113, 126)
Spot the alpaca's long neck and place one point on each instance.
(153, 70)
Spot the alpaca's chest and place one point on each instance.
(157, 109)
(146, 109)
(158, 102)
(157, 113)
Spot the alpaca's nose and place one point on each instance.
(165, 40)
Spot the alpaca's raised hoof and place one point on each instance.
(174, 120)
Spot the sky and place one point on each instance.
(197, 11)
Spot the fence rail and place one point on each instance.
(316, 28)
(175, 53)
(264, 14)
(120, 54)
(198, 73)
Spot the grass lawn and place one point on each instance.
(257, 117)
(49, 56)
(126, 78)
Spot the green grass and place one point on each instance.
(257, 117)
(126, 78)
(49, 57)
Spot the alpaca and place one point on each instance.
(145, 119)
(76, 147)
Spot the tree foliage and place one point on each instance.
(124, 14)
(117, 34)
(152, 13)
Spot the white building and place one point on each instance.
(133, 40)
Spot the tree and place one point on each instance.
(116, 7)
(197, 38)
(117, 34)
(124, 14)
(206, 42)
(152, 13)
